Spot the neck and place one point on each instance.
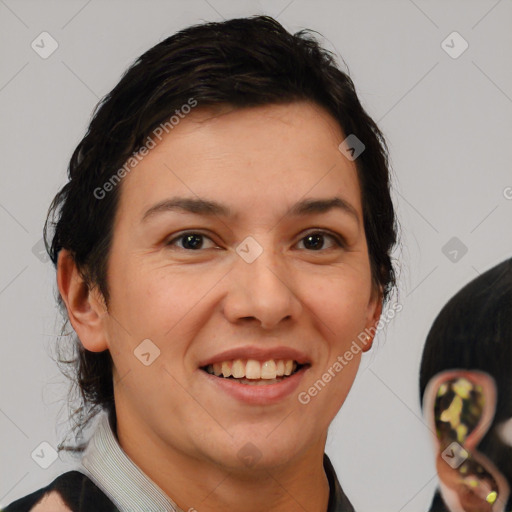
(200, 485)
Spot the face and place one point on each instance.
(239, 248)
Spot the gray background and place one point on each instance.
(449, 126)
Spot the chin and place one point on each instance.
(266, 450)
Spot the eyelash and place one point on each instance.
(338, 239)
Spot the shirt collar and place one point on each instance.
(110, 468)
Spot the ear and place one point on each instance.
(474, 391)
(86, 308)
(459, 407)
(373, 314)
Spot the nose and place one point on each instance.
(261, 292)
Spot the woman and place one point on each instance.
(466, 385)
(224, 239)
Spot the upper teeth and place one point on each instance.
(252, 369)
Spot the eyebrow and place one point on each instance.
(213, 208)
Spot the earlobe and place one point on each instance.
(374, 314)
(85, 307)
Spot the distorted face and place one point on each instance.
(460, 407)
(239, 255)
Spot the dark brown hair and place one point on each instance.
(238, 63)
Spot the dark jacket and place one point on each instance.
(80, 494)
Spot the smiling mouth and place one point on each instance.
(253, 372)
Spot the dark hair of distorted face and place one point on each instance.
(474, 332)
(245, 62)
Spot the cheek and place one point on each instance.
(340, 306)
(154, 300)
(341, 301)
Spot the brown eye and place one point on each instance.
(316, 241)
(191, 241)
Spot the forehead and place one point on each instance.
(273, 154)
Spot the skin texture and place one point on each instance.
(182, 431)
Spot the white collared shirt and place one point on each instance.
(108, 466)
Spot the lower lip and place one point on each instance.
(262, 394)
